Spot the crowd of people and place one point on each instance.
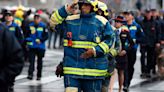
(96, 43)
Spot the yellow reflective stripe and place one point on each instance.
(53, 23)
(104, 46)
(37, 40)
(39, 29)
(133, 28)
(73, 17)
(109, 74)
(29, 43)
(12, 28)
(102, 19)
(80, 44)
(18, 22)
(124, 28)
(59, 17)
(87, 72)
(113, 52)
(55, 19)
(134, 40)
(32, 28)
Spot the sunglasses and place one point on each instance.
(117, 21)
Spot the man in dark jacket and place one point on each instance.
(11, 58)
(151, 29)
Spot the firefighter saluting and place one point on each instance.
(87, 40)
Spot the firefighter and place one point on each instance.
(17, 32)
(136, 33)
(103, 11)
(13, 27)
(19, 16)
(89, 37)
(36, 38)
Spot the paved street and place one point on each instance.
(50, 83)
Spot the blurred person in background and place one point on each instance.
(136, 34)
(24, 27)
(16, 30)
(3, 11)
(126, 41)
(18, 16)
(1, 16)
(11, 59)
(52, 34)
(139, 17)
(151, 40)
(13, 27)
(156, 17)
(36, 37)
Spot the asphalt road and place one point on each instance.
(50, 83)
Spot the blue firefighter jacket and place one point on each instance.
(136, 34)
(88, 31)
(17, 31)
(36, 32)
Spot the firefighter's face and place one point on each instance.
(37, 20)
(86, 8)
(128, 17)
(8, 18)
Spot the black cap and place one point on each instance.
(36, 15)
(8, 13)
(128, 12)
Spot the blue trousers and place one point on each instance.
(85, 85)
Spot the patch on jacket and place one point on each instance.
(82, 37)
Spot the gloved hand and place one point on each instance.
(59, 70)
(89, 53)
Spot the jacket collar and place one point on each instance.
(87, 15)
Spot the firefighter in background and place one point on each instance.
(103, 11)
(89, 37)
(126, 40)
(19, 16)
(13, 27)
(36, 43)
(17, 32)
(136, 34)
